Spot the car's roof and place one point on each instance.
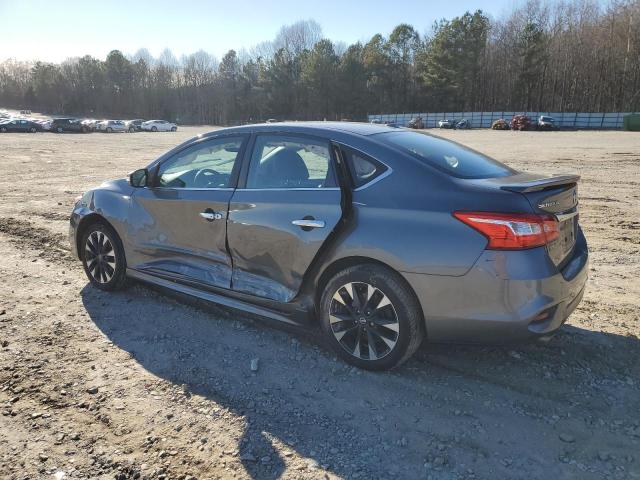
(355, 128)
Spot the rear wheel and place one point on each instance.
(32, 129)
(103, 257)
(371, 317)
(59, 129)
(154, 129)
(174, 129)
(3, 129)
(109, 130)
(132, 130)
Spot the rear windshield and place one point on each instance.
(447, 156)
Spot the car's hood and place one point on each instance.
(120, 185)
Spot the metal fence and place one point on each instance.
(485, 119)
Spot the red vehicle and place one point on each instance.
(521, 122)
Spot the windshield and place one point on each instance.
(447, 156)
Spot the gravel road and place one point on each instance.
(139, 384)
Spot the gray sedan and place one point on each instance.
(381, 235)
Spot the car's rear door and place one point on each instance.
(288, 205)
(178, 225)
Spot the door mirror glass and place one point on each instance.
(139, 178)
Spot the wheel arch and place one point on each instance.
(346, 262)
(85, 223)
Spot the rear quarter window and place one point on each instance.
(363, 169)
(449, 157)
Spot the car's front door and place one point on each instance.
(178, 224)
(287, 207)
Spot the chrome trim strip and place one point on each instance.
(281, 189)
(308, 223)
(191, 189)
(384, 175)
(565, 216)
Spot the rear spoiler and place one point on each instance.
(541, 183)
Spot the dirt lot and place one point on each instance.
(139, 385)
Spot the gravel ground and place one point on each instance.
(139, 384)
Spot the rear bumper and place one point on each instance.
(503, 297)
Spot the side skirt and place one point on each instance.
(211, 297)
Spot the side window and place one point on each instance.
(363, 168)
(281, 161)
(206, 165)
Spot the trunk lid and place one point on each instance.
(548, 194)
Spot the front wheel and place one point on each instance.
(32, 129)
(154, 129)
(174, 129)
(132, 130)
(371, 317)
(103, 257)
(3, 129)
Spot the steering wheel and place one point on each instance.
(205, 176)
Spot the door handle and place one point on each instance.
(210, 215)
(308, 223)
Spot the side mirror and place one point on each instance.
(139, 178)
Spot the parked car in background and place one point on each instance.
(90, 123)
(416, 123)
(500, 124)
(463, 124)
(19, 125)
(383, 236)
(45, 124)
(446, 123)
(546, 123)
(109, 126)
(134, 125)
(159, 126)
(61, 125)
(521, 122)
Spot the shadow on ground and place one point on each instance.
(451, 412)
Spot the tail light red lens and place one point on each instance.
(512, 231)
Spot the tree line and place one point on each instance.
(567, 55)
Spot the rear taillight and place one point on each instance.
(512, 231)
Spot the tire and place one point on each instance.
(132, 130)
(84, 129)
(59, 130)
(3, 129)
(174, 129)
(32, 129)
(109, 130)
(394, 328)
(109, 271)
(154, 129)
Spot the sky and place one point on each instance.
(53, 31)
